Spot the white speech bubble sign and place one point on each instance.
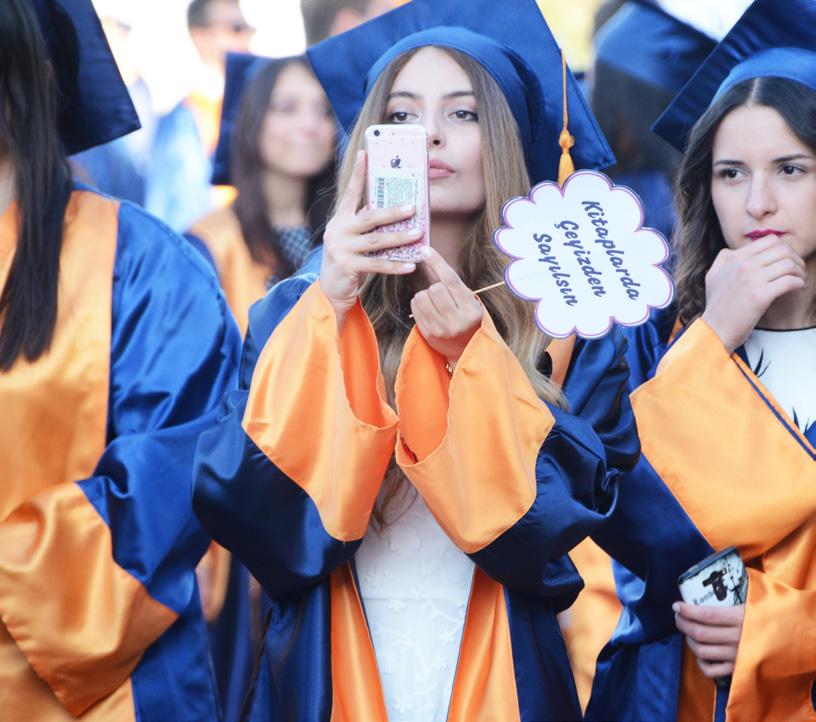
(581, 253)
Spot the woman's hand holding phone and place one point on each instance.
(351, 235)
(742, 284)
(447, 313)
(713, 635)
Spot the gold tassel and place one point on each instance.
(565, 165)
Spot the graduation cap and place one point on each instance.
(94, 105)
(509, 39)
(647, 43)
(774, 38)
(241, 68)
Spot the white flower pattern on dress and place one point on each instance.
(415, 584)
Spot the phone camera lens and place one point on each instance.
(376, 132)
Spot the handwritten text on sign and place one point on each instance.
(581, 252)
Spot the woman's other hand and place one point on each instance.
(351, 235)
(447, 313)
(713, 635)
(742, 284)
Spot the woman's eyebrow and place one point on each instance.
(416, 96)
(795, 156)
(781, 159)
(403, 94)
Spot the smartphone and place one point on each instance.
(719, 580)
(398, 176)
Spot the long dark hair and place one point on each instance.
(29, 132)
(699, 238)
(248, 169)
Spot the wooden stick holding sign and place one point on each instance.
(476, 293)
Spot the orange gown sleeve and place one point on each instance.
(469, 443)
(317, 411)
(752, 488)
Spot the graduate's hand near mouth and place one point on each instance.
(447, 313)
(350, 235)
(742, 284)
(712, 634)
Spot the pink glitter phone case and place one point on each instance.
(397, 176)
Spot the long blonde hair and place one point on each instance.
(386, 299)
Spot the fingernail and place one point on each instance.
(676, 607)
(415, 232)
(407, 208)
(425, 251)
(360, 155)
(409, 266)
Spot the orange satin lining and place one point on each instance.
(242, 278)
(55, 410)
(588, 624)
(93, 620)
(484, 688)
(699, 392)
(213, 578)
(24, 696)
(357, 691)
(476, 468)
(65, 602)
(697, 692)
(308, 384)
(775, 662)
(560, 350)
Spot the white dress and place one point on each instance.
(785, 362)
(414, 584)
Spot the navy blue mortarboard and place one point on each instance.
(773, 38)
(509, 39)
(94, 105)
(647, 43)
(241, 68)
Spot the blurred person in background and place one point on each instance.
(178, 188)
(120, 168)
(115, 344)
(277, 148)
(643, 56)
(325, 18)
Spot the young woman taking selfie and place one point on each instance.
(407, 489)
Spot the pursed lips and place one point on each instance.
(439, 169)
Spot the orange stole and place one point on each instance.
(760, 495)
(484, 688)
(53, 425)
(356, 688)
(242, 278)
